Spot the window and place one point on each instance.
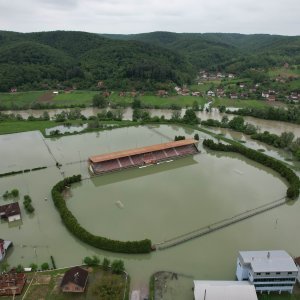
(267, 273)
(277, 273)
(290, 273)
(258, 273)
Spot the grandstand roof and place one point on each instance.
(142, 150)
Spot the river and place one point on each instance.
(276, 127)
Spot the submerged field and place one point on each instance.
(157, 202)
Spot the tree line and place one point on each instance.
(70, 221)
(291, 114)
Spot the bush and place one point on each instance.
(142, 246)
(15, 193)
(27, 204)
(117, 266)
(45, 266)
(105, 264)
(33, 267)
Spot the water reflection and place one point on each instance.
(133, 173)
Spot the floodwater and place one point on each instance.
(157, 202)
(264, 125)
(66, 128)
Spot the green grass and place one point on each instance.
(74, 98)
(284, 72)
(181, 101)
(239, 103)
(17, 100)
(8, 127)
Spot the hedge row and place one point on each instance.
(21, 171)
(276, 165)
(143, 246)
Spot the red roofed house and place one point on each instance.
(74, 280)
(11, 212)
(12, 284)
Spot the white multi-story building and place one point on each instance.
(268, 271)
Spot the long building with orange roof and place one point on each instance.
(143, 156)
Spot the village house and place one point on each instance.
(100, 84)
(12, 283)
(234, 96)
(162, 93)
(11, 212)
(220, 75)
(272, 97)
(211, 94)
(13, 90)
(196, 94)
(231, 76)
(242, 85)
(122, 94)
(220, 93)
(74, 280)
(133, 93)
(265, 94)
(185, 92)
(4, 245)
(294, 96)
(268, 271)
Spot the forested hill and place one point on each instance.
(145, 61)
(226, 51)
(62, 59)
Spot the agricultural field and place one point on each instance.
(283, 72)
(19, 100)
(240, 103)
(74, 98)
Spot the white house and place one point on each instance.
(211, 93)
(216, 290)
(268, 271)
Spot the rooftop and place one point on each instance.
(142, 150)
(75, 275)
(225, 290)
(11, 209)
(269, 261)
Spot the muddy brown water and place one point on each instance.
(158, 202)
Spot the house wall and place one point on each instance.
(72, 288)
(14, 218)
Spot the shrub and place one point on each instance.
(105, 264)
(117, 266)
(45, 266)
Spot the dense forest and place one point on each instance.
(148, 61)
(66, 59)
(229, 52)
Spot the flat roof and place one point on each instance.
(142, 150)
(225, 290)
(269, 261)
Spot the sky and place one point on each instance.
(136, 16)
